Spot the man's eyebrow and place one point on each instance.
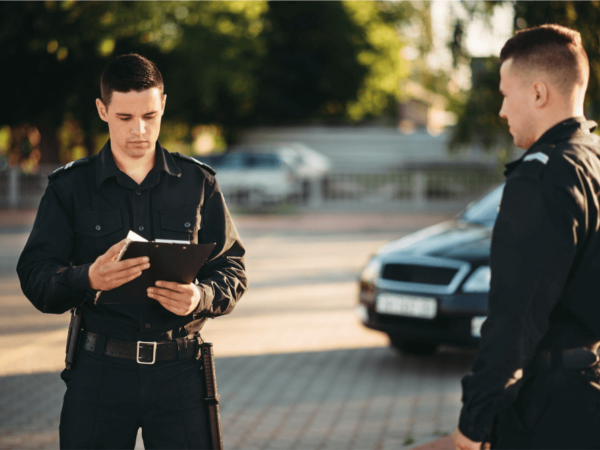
(130, 115)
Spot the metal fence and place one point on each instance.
(23, 190)
(408, 186)
(416, 188)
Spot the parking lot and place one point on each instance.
(295, 368)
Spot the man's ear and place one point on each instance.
(102, 110)
(540, 90)
(164, 102)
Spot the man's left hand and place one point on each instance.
(461, 442)
(180, 299)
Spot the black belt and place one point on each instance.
(142, 352)
(571, 358)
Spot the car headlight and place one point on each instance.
(371, 272)
(479, 281)
(369, 275)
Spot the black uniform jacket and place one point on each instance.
(90, 205)
(545, 265)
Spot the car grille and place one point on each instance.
(410, 273)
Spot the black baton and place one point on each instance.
(212, 398)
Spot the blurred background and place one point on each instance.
(400, 98)
(335, 128)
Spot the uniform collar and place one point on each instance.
(557, 133)
(107, 166)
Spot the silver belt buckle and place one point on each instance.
(138, 352)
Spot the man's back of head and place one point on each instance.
(543, 78)
(554, 50)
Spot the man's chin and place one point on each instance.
(137, 150)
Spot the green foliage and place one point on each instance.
(380, 88)
(479, 122)
(228, 63)
(311, 64)
(54, 52)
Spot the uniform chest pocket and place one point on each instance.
(181, 224)
(97, 231)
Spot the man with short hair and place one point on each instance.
(536, 374)
(137, 362)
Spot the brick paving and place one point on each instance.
(295, 368)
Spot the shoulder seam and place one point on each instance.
(61, 170)
(194, 160)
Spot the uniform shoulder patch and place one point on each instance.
(201, 164)
(58, 172)
(539, 156)
(533, 165)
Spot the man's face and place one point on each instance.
(133, 121)
(517, 106)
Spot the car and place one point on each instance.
(431, 287)
(269, 173)
(254, 178)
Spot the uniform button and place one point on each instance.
(98, 227)
(141, 228)
(147, 325)
(187, 225)
(138, 192)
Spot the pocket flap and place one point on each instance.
(183, 220)
(97, 223)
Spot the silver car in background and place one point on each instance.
(258, 175)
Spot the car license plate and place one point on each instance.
(406, 305)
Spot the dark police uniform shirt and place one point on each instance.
(545, 265)
(91, 205)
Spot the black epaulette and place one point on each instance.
(533, 164)
(58, 172)
(201, 164)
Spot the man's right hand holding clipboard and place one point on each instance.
(107, 272)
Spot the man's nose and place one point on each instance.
(139, 127)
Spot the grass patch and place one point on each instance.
(409, 440)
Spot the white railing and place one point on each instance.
(23, 190)
(415, 188)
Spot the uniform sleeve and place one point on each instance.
(222, 280)
(534, 244)
(48, 278)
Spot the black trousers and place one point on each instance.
(556, 409)
(108, 399)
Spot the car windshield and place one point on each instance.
(485, 210)
(262, 161)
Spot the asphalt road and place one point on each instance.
(295, 368)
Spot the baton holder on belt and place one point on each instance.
(212, 397)
(73, 337)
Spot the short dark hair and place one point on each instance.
(127, 73)
(553, 49)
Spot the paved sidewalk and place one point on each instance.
(295, 368)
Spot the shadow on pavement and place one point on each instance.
(364, 398)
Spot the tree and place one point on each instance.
(231, 63)
(53, 53)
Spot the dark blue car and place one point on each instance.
(431, 287)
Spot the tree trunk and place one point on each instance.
(49, 145)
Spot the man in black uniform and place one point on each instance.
(137, 365)
(536, 371)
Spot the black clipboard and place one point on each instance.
(168, 262)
